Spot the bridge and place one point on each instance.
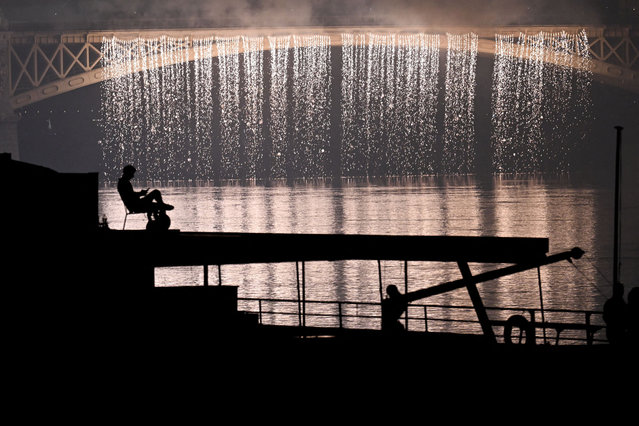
(41, 65)
(45, 65)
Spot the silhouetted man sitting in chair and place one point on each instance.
(143, 201)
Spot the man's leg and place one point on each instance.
(156, 196)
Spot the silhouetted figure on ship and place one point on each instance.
(143, 201)
(392, 309)
(633, 316)
(615, 314)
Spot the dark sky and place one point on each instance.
(101, 14)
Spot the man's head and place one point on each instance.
(128, 171)
(392, 291)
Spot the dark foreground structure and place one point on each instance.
(75, 286)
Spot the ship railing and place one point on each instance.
(559, 327)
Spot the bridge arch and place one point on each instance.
(60, 60)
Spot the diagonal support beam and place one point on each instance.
(470, 281)
(575, 253)
(478, 304)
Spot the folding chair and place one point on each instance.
(127, 212)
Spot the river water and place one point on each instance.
(568, 214)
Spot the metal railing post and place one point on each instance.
(299, 297)
(365, 317)
(379, 273)
(303, 295)
(589, 335)
(532, 321)
(425, 319)
(406, 289)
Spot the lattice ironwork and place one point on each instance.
(618, 49)
(39, 64)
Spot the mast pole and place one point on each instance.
(615, 274)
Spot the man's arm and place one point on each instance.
(127, 193)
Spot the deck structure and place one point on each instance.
(175, 248)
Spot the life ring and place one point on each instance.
(522, 323)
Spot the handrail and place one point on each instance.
(367, 315)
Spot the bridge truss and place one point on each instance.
(40, 66)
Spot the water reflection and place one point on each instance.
(568, 215)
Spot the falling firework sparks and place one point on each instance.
(251, 149)
(146, 100)
(229, 63)
(311, 105)
(203, 107)
(389, 103)
(183, 108)
(458, 154)
(279, 105)
(541, 86)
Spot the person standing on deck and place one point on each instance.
(615, 314)
(392, 309)
(633, 316)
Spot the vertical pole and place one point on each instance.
(299, 297)
(219, 274)
(533, 320)
(406, 291)
(303, 296)
(541, 302)
(425, 319)
(589, 334)
(615, 274)
(206, 275)
(8, 119)
(379, 272)
(477, 303)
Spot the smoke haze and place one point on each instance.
(273, 13)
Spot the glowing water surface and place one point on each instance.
(569, 215)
